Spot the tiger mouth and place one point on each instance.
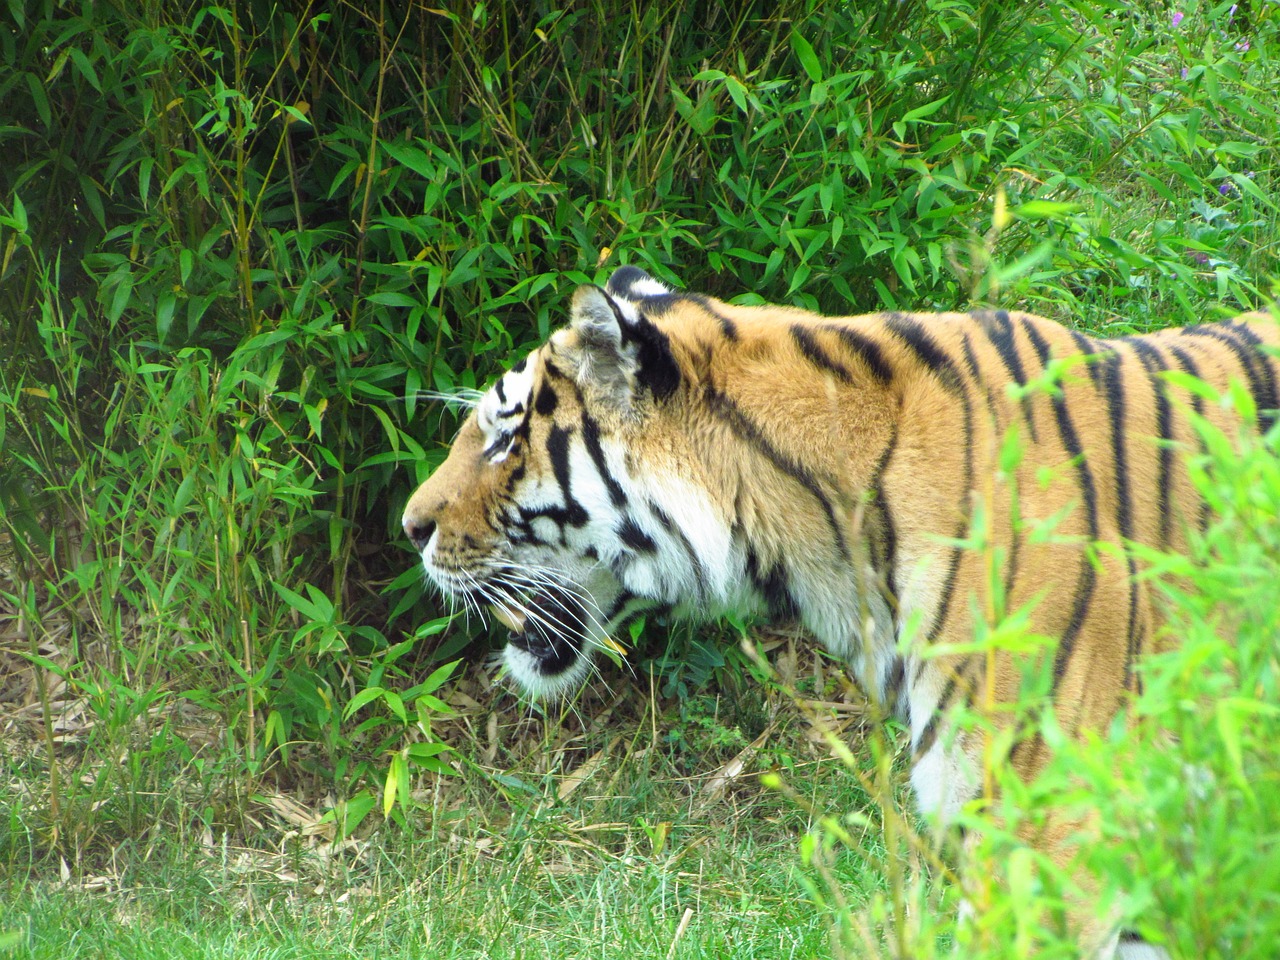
(551, 625)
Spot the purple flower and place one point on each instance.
(1242, 46)
(1177, 17)
(1200, 257)
(1185, 71)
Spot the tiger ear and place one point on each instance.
(623, 353)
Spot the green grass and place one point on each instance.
(501, 867)
(451, 903)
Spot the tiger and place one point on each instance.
(670, 451)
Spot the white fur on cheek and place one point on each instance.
(711, 575)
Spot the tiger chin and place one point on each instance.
(670, 451)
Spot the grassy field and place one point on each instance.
(240, 245)
(592, 834)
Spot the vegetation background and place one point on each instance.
(239, 247)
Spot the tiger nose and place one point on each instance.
(419, 532)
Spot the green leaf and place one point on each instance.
(431, 701)
(439, 676)
(300, 603)
(40, 99)
(395, 704)
(1045, 209)
(1230, 715)
(392, 298)
(919, 113)
(423, 751)
(120, 297)
(364, 697)
(164, 314)
(83, 64)
(19, 215)
(397, 784)
(354, 811)
(805, 54)
(737, 91)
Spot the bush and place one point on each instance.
(239, 245)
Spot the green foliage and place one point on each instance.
(238, 244)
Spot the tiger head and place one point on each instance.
(576, 494)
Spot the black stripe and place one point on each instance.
(1261, 385)
(1140, 647)
(550, 369)
(632, 536)
(999, 331)
(727, 410)
(1091, 351)
(666, 302)
(619, 604)
(514, 477)
(558, 452)
(1268, 403)
(1015, 519)
(1132, 647)
(497, 388)
(1154, 362)
(544, 402)
(930, 732)
(971, 358)
(913, 335)
(1113, 372)
(500, 443)
(727, 326)
(867, 350)
(518, 528)
(888, 538)
(1070, 439)
(773, 585)
(658, 370)
(1189, 365)
(892, 693)
(813, 351)
(513, 411)
(591, 437)
(1113, 380)
(1087, 580)
(926, 349)
(975, 373)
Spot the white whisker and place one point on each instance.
(467, 397)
